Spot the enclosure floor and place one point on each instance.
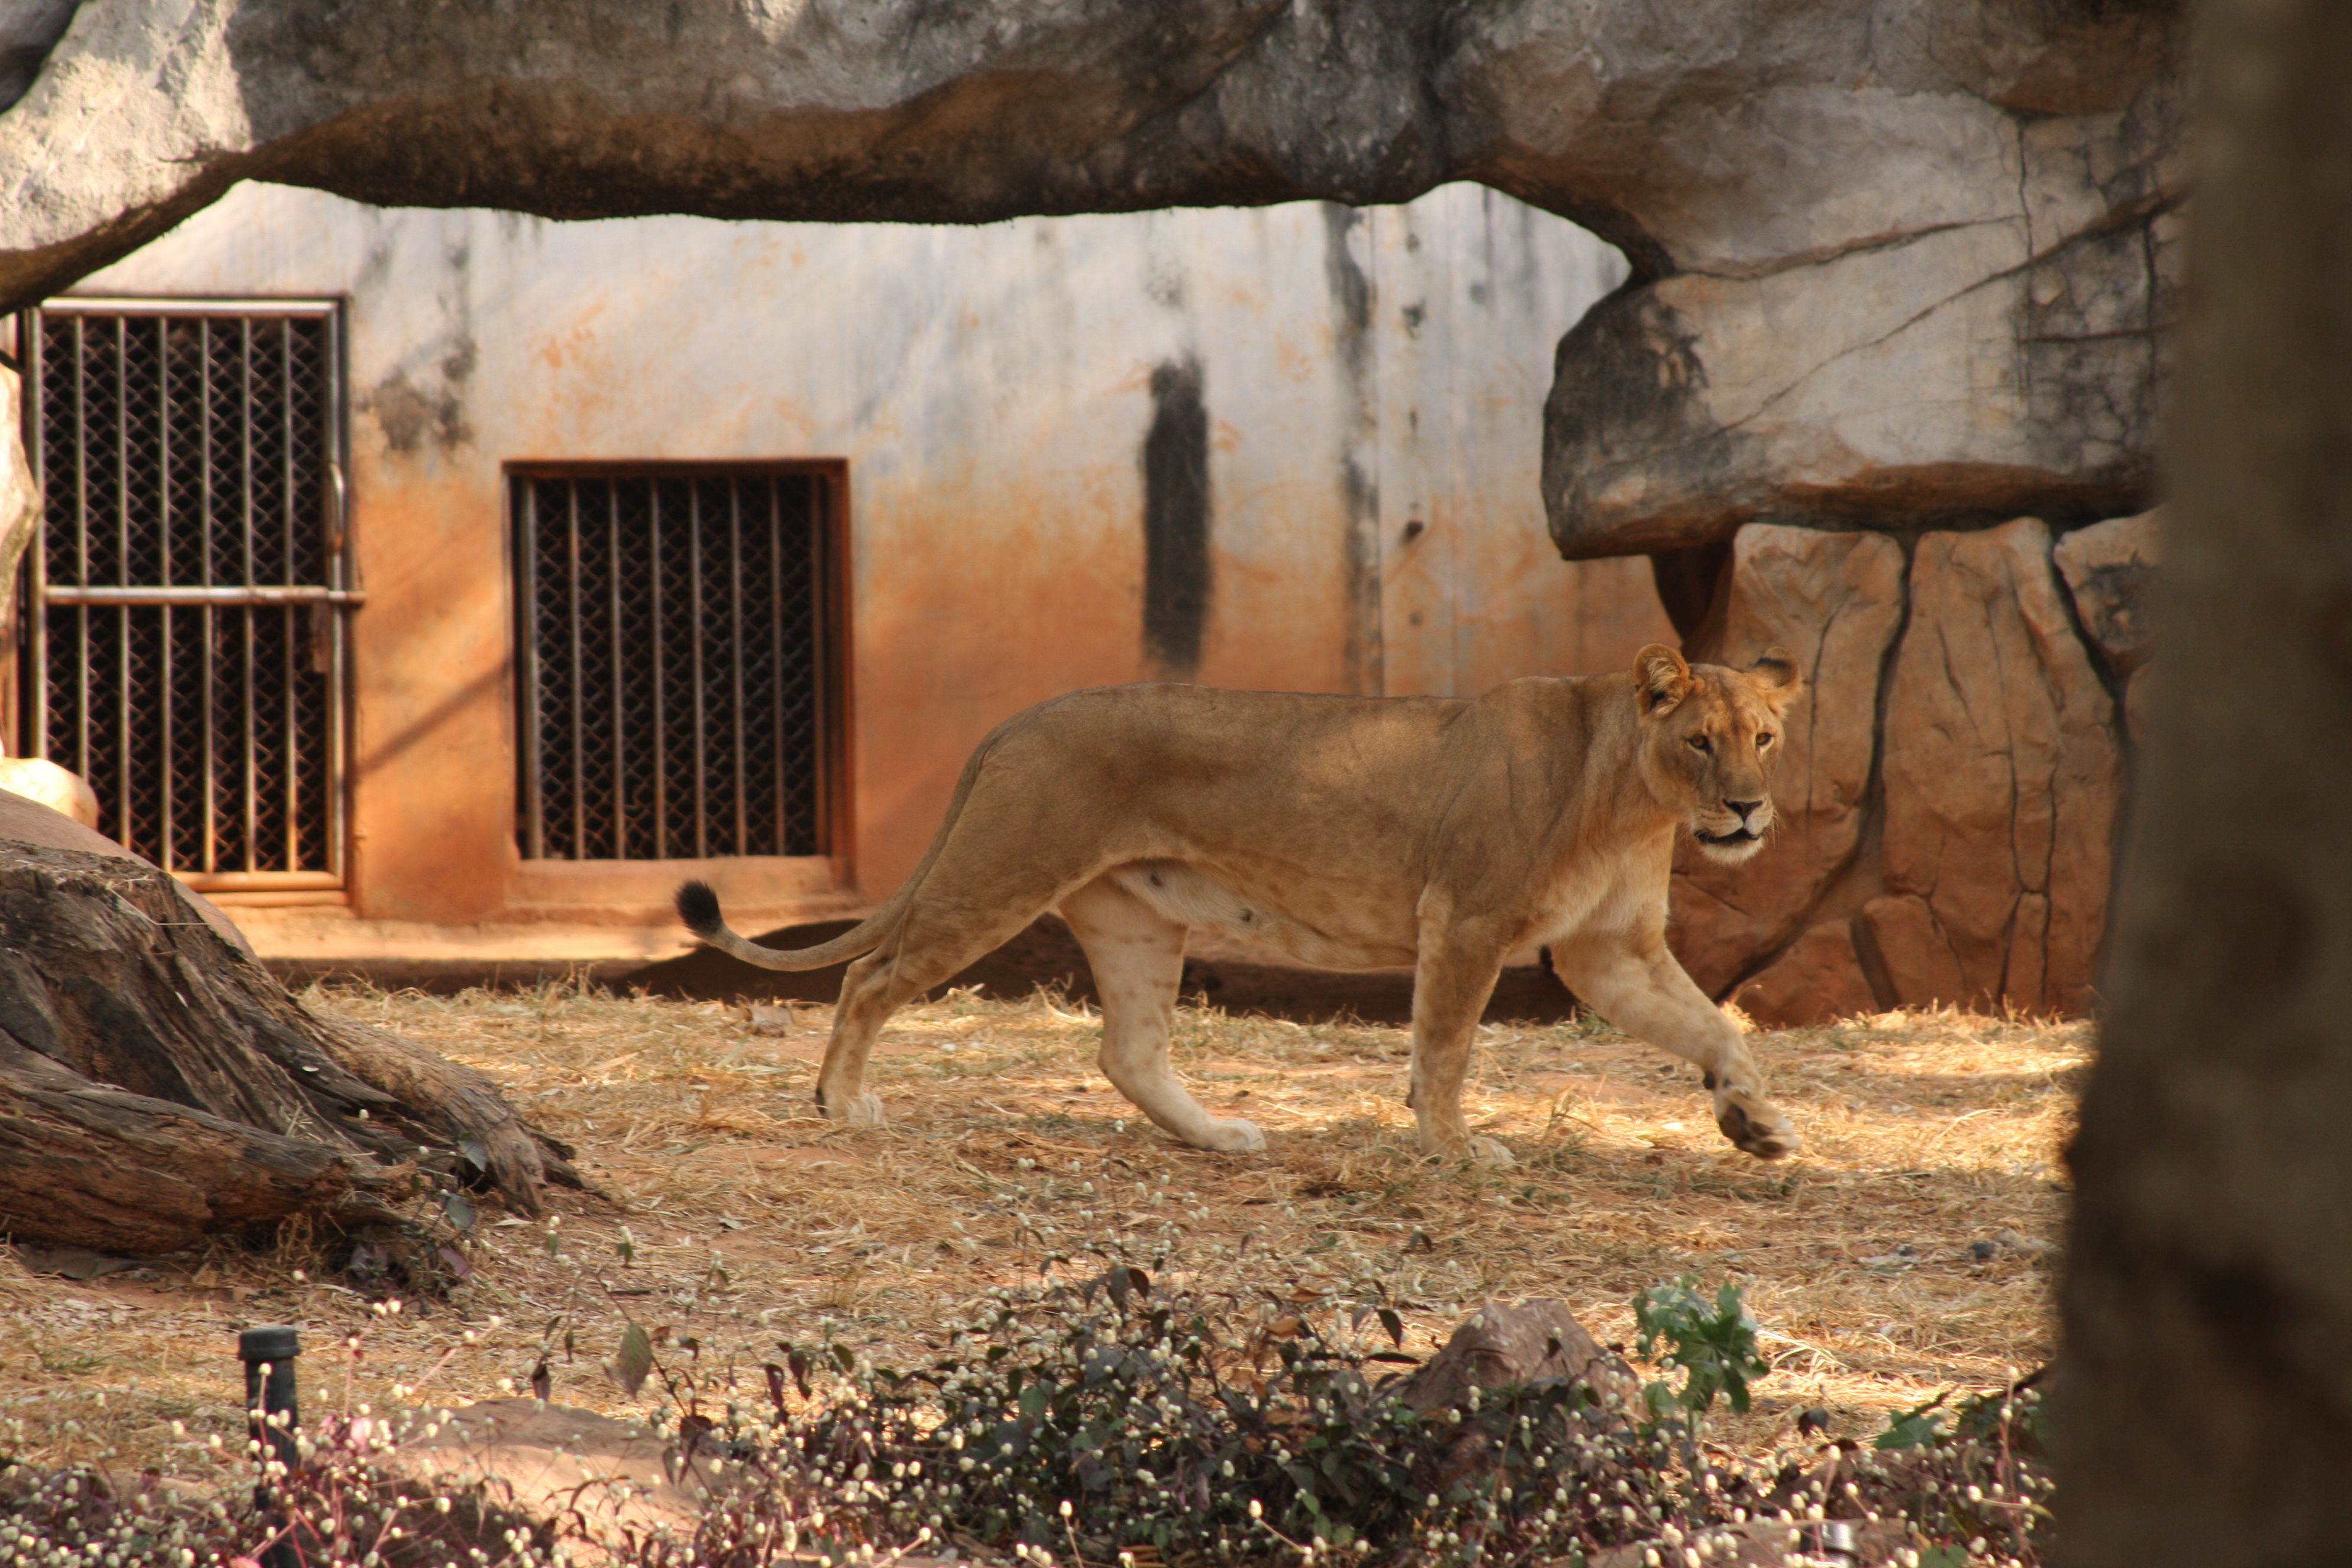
(749, 1221)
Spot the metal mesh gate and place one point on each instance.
(673, 663)
(185, 646)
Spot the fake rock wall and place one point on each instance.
(1907, 261)
(1953, 777)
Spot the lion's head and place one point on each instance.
(1711, 742)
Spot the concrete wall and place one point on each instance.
(1372, 383)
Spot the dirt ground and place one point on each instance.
(1907, 1250)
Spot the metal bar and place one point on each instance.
(126, 828)
(209, 715)
(249, 775)
(701, 706)
(32, 332)
(259, 594)
(289, 486)
(330, 373)
(613, 643)
(81, 540)
(529, 734)
(167, 824)
(784, 840)
(295, 650)
(827, 651)
(659, 657)
(735, 660)
(167, 819)
(576, 814)
(294, 656)
(117, 305)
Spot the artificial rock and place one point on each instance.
(1504, 1343)
(1835, 601)
(1894, 264)
(1953, 781)
(2110, 569)
(2004, 772)
(1819, 978)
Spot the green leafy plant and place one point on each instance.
(1713, 1344)
(1921, 1427)
(1112, 1419)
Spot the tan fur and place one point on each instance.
(1350, 833)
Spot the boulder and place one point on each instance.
(1881, 386)
(2002, 773)
(1528, 1343)
(1818, 980)
(1835, 601)
(2110, 568)
(1885, 270)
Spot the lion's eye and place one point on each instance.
(1762, 741)
(1698, 742)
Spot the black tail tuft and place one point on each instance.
(697, 906)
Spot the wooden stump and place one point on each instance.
(158, 1086)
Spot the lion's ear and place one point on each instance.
(1776, 677)
(1664, 679)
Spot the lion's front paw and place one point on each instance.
(1757, 1126)
(1491, 1151)
(1235, 1137)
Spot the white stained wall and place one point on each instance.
(990, 388)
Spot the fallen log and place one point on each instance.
(157, 1085)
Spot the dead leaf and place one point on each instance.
(635, 1360)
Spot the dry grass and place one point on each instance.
(750, 1219)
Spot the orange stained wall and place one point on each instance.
(1373, 381)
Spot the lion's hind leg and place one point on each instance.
(938, 936)
(1138, 958)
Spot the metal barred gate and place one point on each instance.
(183, 601)
(676, 659)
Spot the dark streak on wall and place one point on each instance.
(1177, 575)
(1351, 291)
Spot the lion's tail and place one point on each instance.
(697, 905)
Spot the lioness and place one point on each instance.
(1351, 833)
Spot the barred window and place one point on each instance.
(183, 600)
(675, 660)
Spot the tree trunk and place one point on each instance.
(2206, 1415)
(157, 1085)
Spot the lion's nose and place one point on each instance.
(1744, 807)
